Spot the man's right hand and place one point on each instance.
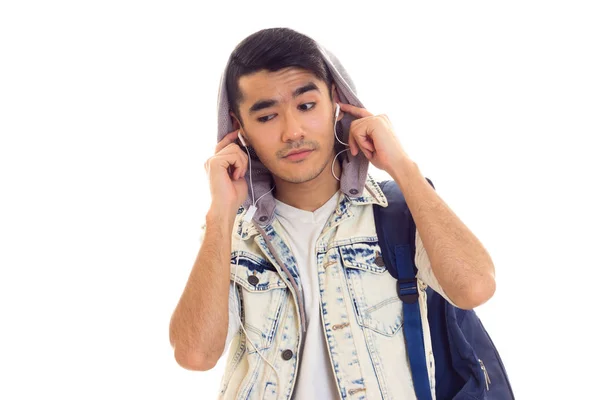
(226, 170)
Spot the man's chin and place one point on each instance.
(304, 173)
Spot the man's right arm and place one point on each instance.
(198, 326)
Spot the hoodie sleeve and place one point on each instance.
(424, 270)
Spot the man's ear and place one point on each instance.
(237, 125)
(234, 121)
(336, 99)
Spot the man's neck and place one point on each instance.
(311, 195)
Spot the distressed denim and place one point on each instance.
(361, 312)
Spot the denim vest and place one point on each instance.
(362, 314)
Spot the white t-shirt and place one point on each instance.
(301, 229)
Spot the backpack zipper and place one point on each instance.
(488, 381)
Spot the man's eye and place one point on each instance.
(312, 105)
(266, 118)
(303, 107)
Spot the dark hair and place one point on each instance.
(273, 49)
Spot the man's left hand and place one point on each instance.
(375, 137)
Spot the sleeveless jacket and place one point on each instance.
(361, 311)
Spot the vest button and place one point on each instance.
(263, 218)
(253, 280)
(353, 191)
(379, 261)
(287, 354)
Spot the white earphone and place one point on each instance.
(242, 139)
(247, 218)
(337, 113)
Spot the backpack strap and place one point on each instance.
(396, 232)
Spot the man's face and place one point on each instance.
(284, 111)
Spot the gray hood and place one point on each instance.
(354, 168)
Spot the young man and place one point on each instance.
(290, 275)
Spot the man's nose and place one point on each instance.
(292, 129)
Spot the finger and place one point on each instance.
(365, 146)
(234, 163)
(240, 165)
(244, 165)
(355, 111)
(360, 135)
(355, 145)
(240, 173)
(367, 152)
(233, 148)
(231, 137)
(365, 143)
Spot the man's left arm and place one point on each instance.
(461, 264)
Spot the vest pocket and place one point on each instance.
(262, 298)
(372, 288)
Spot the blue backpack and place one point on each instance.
(467, 364)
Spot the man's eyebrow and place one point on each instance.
(306, 88)
(262, 104)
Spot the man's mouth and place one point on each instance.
(298, 154)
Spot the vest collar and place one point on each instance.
(372, 194)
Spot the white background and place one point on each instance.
(108, 113)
